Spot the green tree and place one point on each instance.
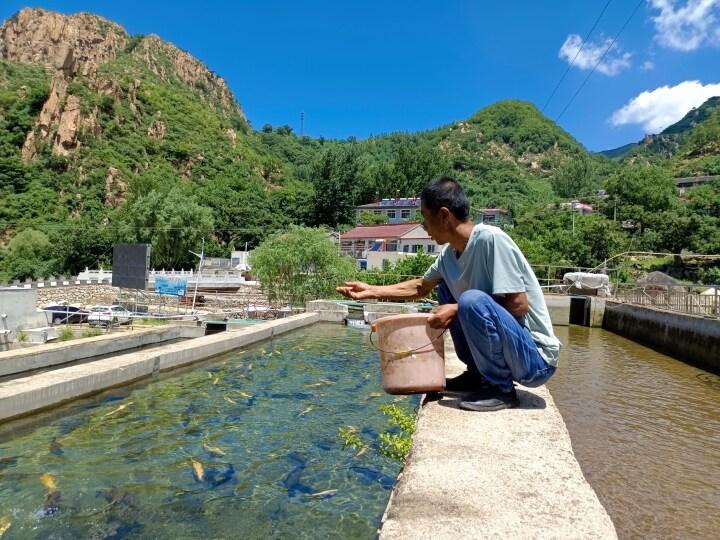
(335, 177)
(174, 224)
(27, 255)
(371, 218)
(300, 264)
(573, 178)
(647, 187)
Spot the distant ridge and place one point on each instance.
(668, 140)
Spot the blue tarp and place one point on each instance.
(173, 286)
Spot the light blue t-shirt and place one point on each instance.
(493, 263)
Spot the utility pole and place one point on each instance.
(302, 123)
(199, 272)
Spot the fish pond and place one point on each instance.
(282, 439)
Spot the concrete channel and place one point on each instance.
(510, 474)
(25, 395)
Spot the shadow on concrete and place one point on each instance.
(528, 400)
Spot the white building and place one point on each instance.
(371, 244)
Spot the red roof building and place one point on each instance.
(398, 238)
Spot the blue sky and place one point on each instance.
(364, 68)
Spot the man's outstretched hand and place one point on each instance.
(442, 316)
(357, 290)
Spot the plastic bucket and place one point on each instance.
(412, 355)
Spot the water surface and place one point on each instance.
(261, 423)
(646, 431)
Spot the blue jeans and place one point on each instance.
(494, 343)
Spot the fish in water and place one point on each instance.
(321, 382)
(372, 476)
(4, 525)
(119, 409)
(324, 494)
(198, 470)
(243, 394)
(230, 400)
(292, 481)
(214, 450)
(51, 505)
(48, 481)
(216, 380)
(374, 394)
(215, 477)
(362, 451)
(210, 375)
(8, 462)
(116, 496)
(307, 410)
(55, 447)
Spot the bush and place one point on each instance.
(300, 264)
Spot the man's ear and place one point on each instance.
(445, 214)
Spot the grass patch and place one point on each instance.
(153, 322)
(66, 334)
(91, 332)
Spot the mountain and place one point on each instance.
(672, 140)
(108, 137)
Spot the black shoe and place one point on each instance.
(490, 400)
(468, 381)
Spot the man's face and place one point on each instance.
(433, 224)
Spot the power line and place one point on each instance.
(55, 226)
(600, 60)
(587, 37)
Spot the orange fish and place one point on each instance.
(198, 470)
(48, 482)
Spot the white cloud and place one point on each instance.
(656, 109)
(688, 25)
(647, 65)
(613, 63)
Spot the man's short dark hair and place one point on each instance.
(447, 192)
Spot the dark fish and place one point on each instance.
(371, 476)
(69, 425)
(114, 529)
(8, 462)
(115, 496)
(292, 480)
(110, 399)
(51, 506)
(55, 447)
(215, 477)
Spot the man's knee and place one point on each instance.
(473, 300)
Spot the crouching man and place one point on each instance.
(489, 298)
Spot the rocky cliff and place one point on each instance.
(80, 47)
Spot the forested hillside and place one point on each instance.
(688, 147)
(107, 137)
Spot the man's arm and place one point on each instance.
(515, 303)
(405, 290)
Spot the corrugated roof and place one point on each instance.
(363, 232)
(403, 203)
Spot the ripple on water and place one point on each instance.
(646, 431)
(245, 446)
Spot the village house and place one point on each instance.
(373, 244)
(492, 216)
(398, 209)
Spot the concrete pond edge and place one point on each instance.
(25, 395)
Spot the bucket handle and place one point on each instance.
(403, 353)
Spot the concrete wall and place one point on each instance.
(51, 354)
(17, 309)
(22, 396)
(692, 339)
